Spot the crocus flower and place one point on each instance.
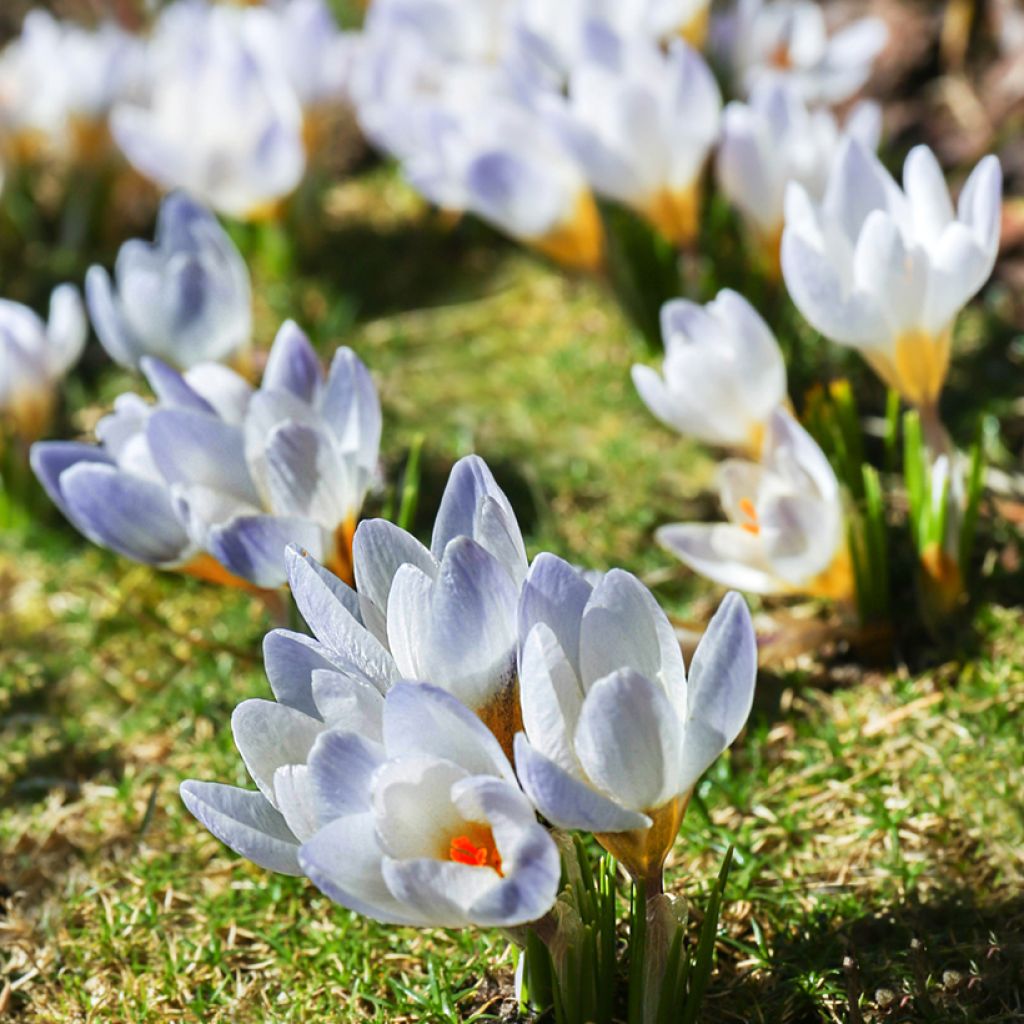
(723, 375)
(550, 38)
(220, 121)
(468, 143)
(400, 807)
(886, 271)
(446, 615)
(641, 122)
(773, 140)
(771, 39)
(509, 168)
(58, 81)
(616, 736)
(34, 357)
(185, 299)
(216, 480)
(304, 38)
(785, 528)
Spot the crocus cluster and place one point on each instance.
(215, 478)
(451, 695)
(221, 101)
(525, 112)
(723, 382)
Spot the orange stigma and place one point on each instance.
(749, 513)
(483, 854)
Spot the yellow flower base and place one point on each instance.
(644, 850)
(578, 242)
(695, 31)
(675, 214)
(918, 365)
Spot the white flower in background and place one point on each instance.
(785, 532)
(468, 143)
(216, 480)
(455, 31)
(775, 139)
(616, 736)
(401, 806)
(58, 81)
(504, 164)
(723, 374)
(220, 121)
(641, 122)
(34, 357)
(789, 39)
(660, 20)
(551, 38)
(445, 615)
(887, 271)
(186, 298)
(303, 38)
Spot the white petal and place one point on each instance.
(270, 735)
(629, 739)
(722, 677)
(624, 627)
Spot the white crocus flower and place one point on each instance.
(505, 165)
(186, 298)
(468, 143)
(551, 38)
(641, 121)
(785, 532)
(885, 270)
(216, 480)
(401, 806)
(616, 735)
(34, 357)
(221, 121)
(446, 615)
(773, 140)
(723, 375)
(58, 81)
(303, 37)
(771, 39)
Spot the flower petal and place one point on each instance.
(566, 801)
(624, 627)
(341, 766)
(723, 673)
(344, 860)
(245, 821)
(253, 546)
(125, 513)
(269, 735)
(628, 740)
(420, 719)
(293, 364)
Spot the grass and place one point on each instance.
(877, 814)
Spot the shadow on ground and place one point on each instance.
(953, 959)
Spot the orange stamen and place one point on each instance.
(476, 855)
(749, 513)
